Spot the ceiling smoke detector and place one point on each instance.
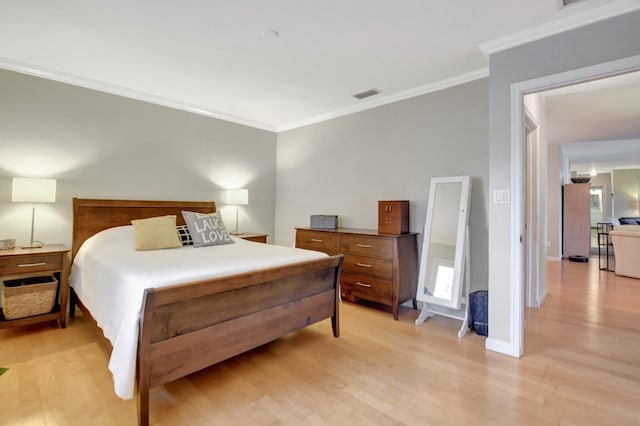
(270, 34)
(366, 93)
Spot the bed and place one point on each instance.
(183, 327)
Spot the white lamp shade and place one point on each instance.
(33, 190)
(238, 197)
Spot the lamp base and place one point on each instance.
(33, 244)
(32, 247)
(236, 233)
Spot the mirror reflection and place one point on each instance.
(442, 241)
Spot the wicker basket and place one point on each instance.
(28, 296)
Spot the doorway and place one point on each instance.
(596, 210)
(518, 157)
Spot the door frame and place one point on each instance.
(518, 90)
(532, 233)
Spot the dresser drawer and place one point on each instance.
(368, 266)
(321, 241)
(366, 246)
(32, 263)
(365, 287)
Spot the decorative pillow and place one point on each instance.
(206, 229)
(185, 236)
(156, 233)
(629, 221)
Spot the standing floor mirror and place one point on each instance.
(445, 251)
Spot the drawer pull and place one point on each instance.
(315, 240)
(28, 265)
(364, 245)
(364, 265)
(363, 284)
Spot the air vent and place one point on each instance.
(366, 93)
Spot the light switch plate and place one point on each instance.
(501, 196)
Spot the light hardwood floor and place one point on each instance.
(581, 367)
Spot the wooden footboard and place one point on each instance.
(186, 328)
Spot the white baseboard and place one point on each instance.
(542, 296)
(502, 347)
(554, 259)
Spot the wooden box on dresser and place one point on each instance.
(377, 267)
(393, 217)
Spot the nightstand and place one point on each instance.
(258, 238)
(49, 259)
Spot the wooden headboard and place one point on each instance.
(92, 216)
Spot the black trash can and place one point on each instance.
(479, 312)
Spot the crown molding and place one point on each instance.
(411, 93)
(567, 23)
(75, 80)
(127, 92)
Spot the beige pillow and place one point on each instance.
(156, 233)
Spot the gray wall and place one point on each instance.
(345, 165)
(105, 146)
(626, 188)
(600, 42)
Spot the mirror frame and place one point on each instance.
(459, 257)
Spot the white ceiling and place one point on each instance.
(208, 56)
(599, 110)
(597, 124)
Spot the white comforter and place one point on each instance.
(109, 276)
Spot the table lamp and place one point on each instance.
(33, 190)
(237, 197)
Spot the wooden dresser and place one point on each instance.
(381, 268)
